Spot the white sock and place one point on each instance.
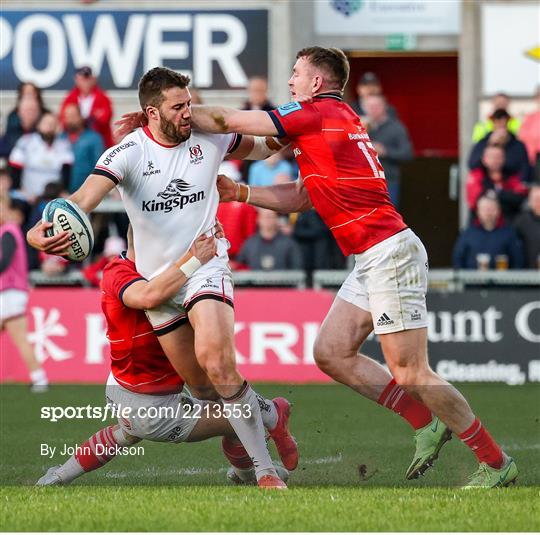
(268, 412)
(250, 429)
(70, 470)
(39, 377)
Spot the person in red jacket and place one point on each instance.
(95, 105)
(511, 192)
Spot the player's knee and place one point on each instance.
(322, 353)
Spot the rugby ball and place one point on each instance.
(65, 215)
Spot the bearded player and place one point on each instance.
(143, 380)
(342, 178)
(167, 179)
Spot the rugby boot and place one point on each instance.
(429, 441)
(285, 442)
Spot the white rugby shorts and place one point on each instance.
(13, 304)
(168, 418)
(212, 280)
(389, 280)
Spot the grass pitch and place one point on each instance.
(351, 475)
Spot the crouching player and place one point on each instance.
(143, 380)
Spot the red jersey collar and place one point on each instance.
(147, 131)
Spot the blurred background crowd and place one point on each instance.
(47, 152)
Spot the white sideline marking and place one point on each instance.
(519, 447)
(195, 471)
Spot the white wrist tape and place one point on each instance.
(263, 147)
(189, 267)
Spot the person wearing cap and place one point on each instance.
(369, 85)
(515, 153)
(94, 104)
(500, 101)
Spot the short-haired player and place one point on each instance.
(166, 175)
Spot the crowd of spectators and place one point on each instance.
(50, 154)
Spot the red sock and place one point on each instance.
(397, 400)
(98, 450)
(482, 445)
(236, 453)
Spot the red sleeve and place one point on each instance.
(474, 187)
(119, 275)
(295, 118)
(515, 185)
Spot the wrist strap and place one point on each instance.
(244, 193)
(189, 267)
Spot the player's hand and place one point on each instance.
(38, 239)
(228, 189)
(218, 230)
(129, 122)
(204, 248)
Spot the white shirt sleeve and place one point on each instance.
(114, 162)
(66, 153)
(227, 142)
(17, 156)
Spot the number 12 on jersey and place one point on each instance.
(371, 156)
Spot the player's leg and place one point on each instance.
(343, 331)
(213, 423)
(94, 453)
(397, 285)
(406, 355)
(178, 345)
(213, 323)
(18, 331)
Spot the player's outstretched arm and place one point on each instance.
(92, 192)
(257, 147)
(283, 198)
(149, 294)
(221, 120)
(87, 197)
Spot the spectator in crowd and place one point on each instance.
(86, 144)
(509, 189)
(5, 182)
(258, 95)
(391, 141)
(481, 129)
(369, 85)
(21, 121)
(273, 170)
(40, 158)
(527, 226)
(94, 104)
(14, 289)
(52, 265)
(318, 246)
(516, 159)
(529, 134)
(270, 249)
(488, 241)
(114, 246)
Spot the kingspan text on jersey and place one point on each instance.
(168, 205)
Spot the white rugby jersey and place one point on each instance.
(169, 192)
(41, 163)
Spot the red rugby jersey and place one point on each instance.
(137, 361)
(341, 171)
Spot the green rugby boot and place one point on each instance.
(429, 441)
(487, 477)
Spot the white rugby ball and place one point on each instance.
(65, 215)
